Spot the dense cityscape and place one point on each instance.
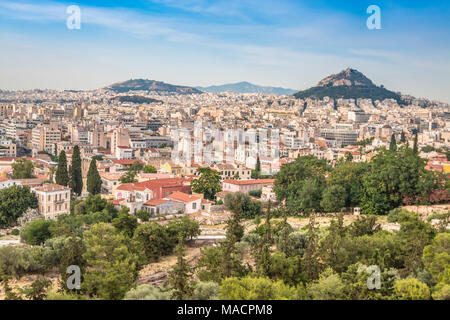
(189, 182)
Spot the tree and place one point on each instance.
(38, 289)
(348, 157)
(143, 215)
(125, 223)
(23, 169)
(208, 183)
(206, 291)
(394, 178)
(411, 289)
(180, 275)
(76, 179)
(364, 225)
(185, 228)
(349, 175)
(111, 265)
(403, 137)
(148, 292)
(300, 184)
(131, 173)
(94, 182)
(393, 144)
(310, 261)
(37, 232)
(243, 204)
(256, 173)
(436, 256)
(329, 286)
(149, 169)
(333, 198)
(9, 293)
(153, 240)
(72, 251)
(14, 201)
(414, 235)
(263, 259)
(416, 145)
(62, 176)
(249, 288)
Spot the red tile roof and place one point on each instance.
(151, 184)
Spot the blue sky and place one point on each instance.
(195, 42)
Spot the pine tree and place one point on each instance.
(416, 146)
(179, 277)
(94, 182)
(76, 179)
(393, 144)
(62, 177)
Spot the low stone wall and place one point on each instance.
(428, 210)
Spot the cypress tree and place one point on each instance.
(416, 146)
(257, 172)
(403, 138)
(263, 261)
(62, 176)
(76, 179)
(94, 182)
(393, 145)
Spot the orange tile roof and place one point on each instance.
(181, 196)
(117, 201)
(155, 202)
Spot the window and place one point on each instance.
(194, 205)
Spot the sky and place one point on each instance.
(292, 44)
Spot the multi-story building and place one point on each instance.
(54, 200)
(45, 138)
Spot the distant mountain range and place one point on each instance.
(150, 85)
(246, 87)
(348, 84)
